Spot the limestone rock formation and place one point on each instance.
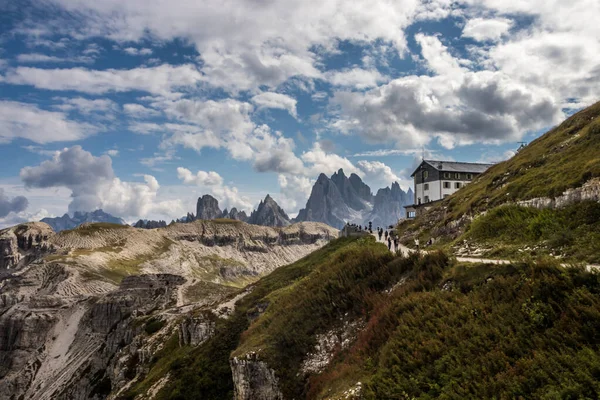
(83, 312)
(66, 222)
(340, 199)
(149, 224)
(388, 205)
(208, 208)
(253, 379)
(269, 213)
(235, 214)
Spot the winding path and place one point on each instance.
(406, 251)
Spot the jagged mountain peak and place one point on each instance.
(79, 217)
(269, 213)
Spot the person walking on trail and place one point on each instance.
(380, 233)
(417, 244)
(396, 244)
(386, 235)
(389, 240)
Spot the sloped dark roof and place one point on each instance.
(453, 166)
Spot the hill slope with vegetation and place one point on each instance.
(543, 184)
(353, 321)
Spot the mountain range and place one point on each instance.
(341, 199)
(333, 201)
(66, 222)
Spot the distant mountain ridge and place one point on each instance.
(269, 213)
(341, 199)
(66, 222)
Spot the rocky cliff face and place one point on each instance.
(235, 214)
(389, 204)
(253, 379)
(326, 204)
(23, 243)
(269, 213)
(589, 191)
(207, 208)
(85, 320)
(66, 222)
(340, 199)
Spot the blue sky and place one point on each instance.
(139, 107)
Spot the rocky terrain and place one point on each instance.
(269, 213)
(342, 199)
(83, 312)
(66, 222)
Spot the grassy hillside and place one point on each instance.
(566, 157)
(431, 328)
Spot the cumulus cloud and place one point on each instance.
(201, 178)
(93, 185)
(321, 161)
(482, 29)
(276, 100)
(265, 45)
(161, 79)
(212, 183)
(357, 78)
(27, 121)
(294, 191)
(15, 205)
(456, 106)
(274, 152)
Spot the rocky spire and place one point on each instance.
(208, 208)
(269, 213)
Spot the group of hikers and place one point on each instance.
(390, 238)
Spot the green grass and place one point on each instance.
(572, 231)
(565, 157)
(451, 331)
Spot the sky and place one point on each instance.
(140, 106)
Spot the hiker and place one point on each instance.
(396, 243)
(380, 233)
(417, 244)
(389, 240)
(429, 242)
(386, 235)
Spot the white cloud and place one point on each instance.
(482, 29)
(456, 106)
(201, 178)
(378, 175)
(294, 191)
(265, 44)
(437, 56)
(212, 183)
(322, 162)
(357, 78)
(112, 152)
(274, 152)
(93, 185)
(27, 121)
(87, 106)
(32, 58)
(276, 100)
(161, 79)
(139, 111)
(132, 51)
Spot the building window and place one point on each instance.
(469, 176)
(457, 175)
(426, 186)
(426, 199)
(447, 175)
(457, 185)
(419, 200)
(425, 174)
(446, 185)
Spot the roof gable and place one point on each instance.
(453, 166)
